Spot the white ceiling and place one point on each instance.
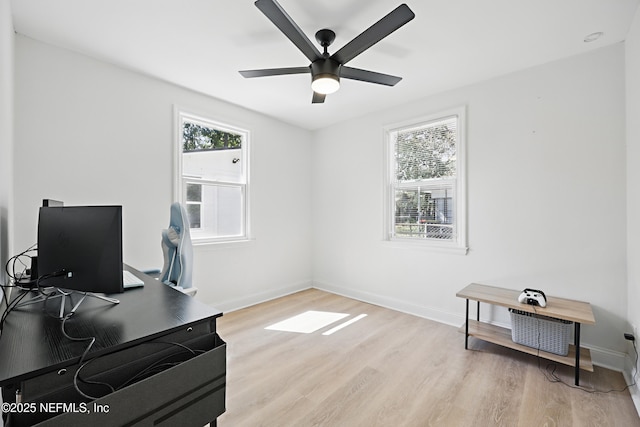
(201, 44)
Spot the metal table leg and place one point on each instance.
(576, 338)
(466, 327)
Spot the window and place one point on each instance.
(425, 194)
(212, 178)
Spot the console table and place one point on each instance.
(577, 312)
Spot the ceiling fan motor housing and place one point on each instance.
(325, 67)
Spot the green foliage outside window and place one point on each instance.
(426, 153)
(199, 138)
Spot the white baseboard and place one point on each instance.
(635, 396)
(634, 390)
(606, 358)
(603, 357)
(431, 313)
(249, 300)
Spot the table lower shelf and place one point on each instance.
(502, 336)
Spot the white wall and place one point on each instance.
(91, 133)
(6, 138)
(546, 198)
(632, 46)
(6, 132)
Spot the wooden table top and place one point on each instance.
(559, 308)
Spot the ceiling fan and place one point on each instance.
(326, 70)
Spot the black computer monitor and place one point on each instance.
(80, 248)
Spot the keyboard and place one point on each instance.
(130, 280)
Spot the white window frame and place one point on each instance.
(459, 244)
(180, 182)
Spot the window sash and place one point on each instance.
(235, 186)
(428, 151)
(213, 220)
(421, 217)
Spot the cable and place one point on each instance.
(4, 300)
(10, 307)
(143, 373)
(91, 339)
(13, 276)
(550, 370)
(81, 362)
(555, 378)
(17, 300)
(159, 365)
(17, 258)
(76, 378)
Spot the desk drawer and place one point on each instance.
(114, 368)
(189, 393)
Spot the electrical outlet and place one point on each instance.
(631, 336)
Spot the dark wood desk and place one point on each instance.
(37, 362)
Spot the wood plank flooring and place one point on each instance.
(394, 369)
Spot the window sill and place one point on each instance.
(442, 247)
(205, 243)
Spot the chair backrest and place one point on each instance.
(177, 249)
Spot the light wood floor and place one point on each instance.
(394, 369)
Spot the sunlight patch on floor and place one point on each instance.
(345, 324)
(307, 322)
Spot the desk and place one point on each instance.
(150, 323)
(577, 312)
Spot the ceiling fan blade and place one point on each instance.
(372, 35)
(318, 98)
(369, 76)
(274, 72)
(279, 17)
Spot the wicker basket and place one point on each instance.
(541, 332)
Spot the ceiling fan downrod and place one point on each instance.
(325, 37)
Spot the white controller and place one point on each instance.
(533, 297)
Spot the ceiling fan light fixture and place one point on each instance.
(325, 76)
(325, 83)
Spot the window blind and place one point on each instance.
(427, 152)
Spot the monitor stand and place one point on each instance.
(63, 294)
